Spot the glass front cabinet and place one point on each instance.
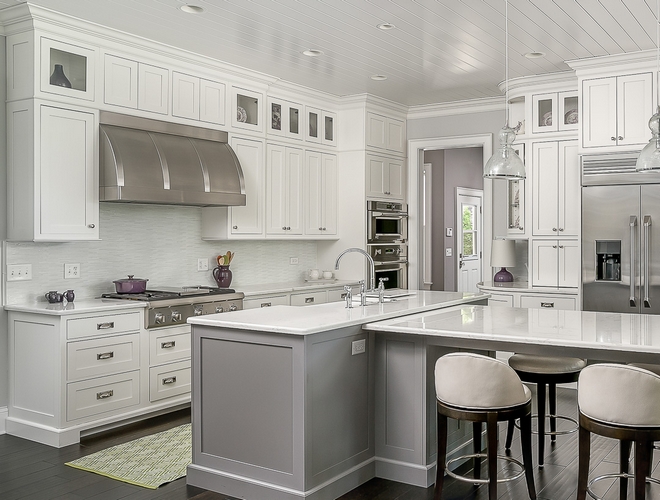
(321, 126)
(554, 112)
(247, 106)
(285, 118)
(67, 69)
(516, 200)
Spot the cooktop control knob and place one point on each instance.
(176, 316)
(233, 307)
(219, 309)
(159, 318)
(198, 310)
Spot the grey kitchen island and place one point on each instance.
(288, 402)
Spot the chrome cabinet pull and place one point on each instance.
(548, 304)
(309, 300)
(633, 223)
(647, 258)
(104, 394)
(91, 226)
(168, 345)
(234, 227)
(105, 355)
(105, 326)
(613, 138)
(169, 380)
(266, 304)
(554, 229)
(620, 138)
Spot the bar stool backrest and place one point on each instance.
(620, 394)
(469, 380)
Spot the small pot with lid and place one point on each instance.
(130, 285)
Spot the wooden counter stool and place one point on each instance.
(545, 371)
(620, 402)
(480, 389)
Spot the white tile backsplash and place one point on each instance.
(161, 243)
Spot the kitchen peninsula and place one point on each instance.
(285, 399)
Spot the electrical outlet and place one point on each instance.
(71, 271)
(358, 346)
(448, 252)
(19, 272)
(293, 261)
(202, 264)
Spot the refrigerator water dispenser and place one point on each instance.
(608, 260)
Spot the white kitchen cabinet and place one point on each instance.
(77, 63)
(266, 300)
(556, 263)
(185, 96)
(536, 301)
(515, 195)
(52, 173)
(385, 133)
(284, 200)
(321, 126)
(385, 177)
(320, 193)
(520, 294)
(555, 188)
(329, 137)
(212, 97)
(555, 111)
(247, 109)
(285, 119)
(616, 111)
(132, 84)
(309, 298)
(500, 299)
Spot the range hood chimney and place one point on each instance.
(152, 161)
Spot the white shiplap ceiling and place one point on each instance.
(440, 50)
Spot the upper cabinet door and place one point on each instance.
(212, 101)
(121, 82)
(67, 69)
(185, 96)
(249, 219)
(153, 88)
(544, 113)
(599, 112)
(569, 189)
(314, 130)
(247, 109)
(568, 112)
(634, 108)
(329, 128)
(545, 188)
(377, 131)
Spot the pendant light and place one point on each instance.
(649, 158)
(505, 163)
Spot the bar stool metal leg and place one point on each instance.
(541, 421)
(491, 432)
(624, 459)
(584, 452)
(552, 410)
(476, 448)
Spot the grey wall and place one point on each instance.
(437, 160)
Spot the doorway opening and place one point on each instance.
(436, 259)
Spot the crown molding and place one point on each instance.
(610, 64)
(550, 82)
(456, 108)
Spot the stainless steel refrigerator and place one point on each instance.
(620, 231)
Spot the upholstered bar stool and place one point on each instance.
(545, 371)
(620, 402)
(480, 389)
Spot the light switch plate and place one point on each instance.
(450, 231)
(448, 252)
(19, 272)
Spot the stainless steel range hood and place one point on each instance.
(151, 161)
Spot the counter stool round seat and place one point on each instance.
(481, 389)
(546, 371)
(607, 406)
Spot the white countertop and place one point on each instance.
(293, 286)
(542, 327)
(76, 307)
(306, 320)
(522, 286)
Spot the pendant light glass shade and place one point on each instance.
(649, 158)
(505, 163)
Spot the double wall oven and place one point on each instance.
(387, 241)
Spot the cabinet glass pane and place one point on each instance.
(276, 116)
(313, 124)
(293, 120)
(570, 110)
(545, 112)
(329, 128)
(514, 204)
(72, 68)
(247, 110)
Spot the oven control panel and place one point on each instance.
(172, 315)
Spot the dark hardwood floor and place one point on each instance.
(30, 470)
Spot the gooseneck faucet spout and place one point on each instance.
(372, 267)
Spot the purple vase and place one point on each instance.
(222, 276)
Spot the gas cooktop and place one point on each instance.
(168, 293)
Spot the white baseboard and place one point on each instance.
(3, 419)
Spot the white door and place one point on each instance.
(469, 229)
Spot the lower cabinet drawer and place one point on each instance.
(273, 300)
(548, 302)
(337, 294)
(169, 345)
(169, 380)
(103, 325)
(309, 299)
(501, 300)
(102, 356)
(101, 395)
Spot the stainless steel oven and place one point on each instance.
(391, 263)
(387, 222)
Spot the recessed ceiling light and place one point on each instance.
(191, 9)
(378, 78)
(534, 55)
(312, 52)
(385, 26)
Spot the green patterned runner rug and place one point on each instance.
(149, 461)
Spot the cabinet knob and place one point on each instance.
(554, 246)
(234, 227)
(324, 229)
(91, 226)
(288, 228)
(620, 138)
(613, 138)
(561, 246)
(554, 229)
(561, 228)
(283, 228)
(320, 229)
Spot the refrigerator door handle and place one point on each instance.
(647, 257)
(633, 223)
